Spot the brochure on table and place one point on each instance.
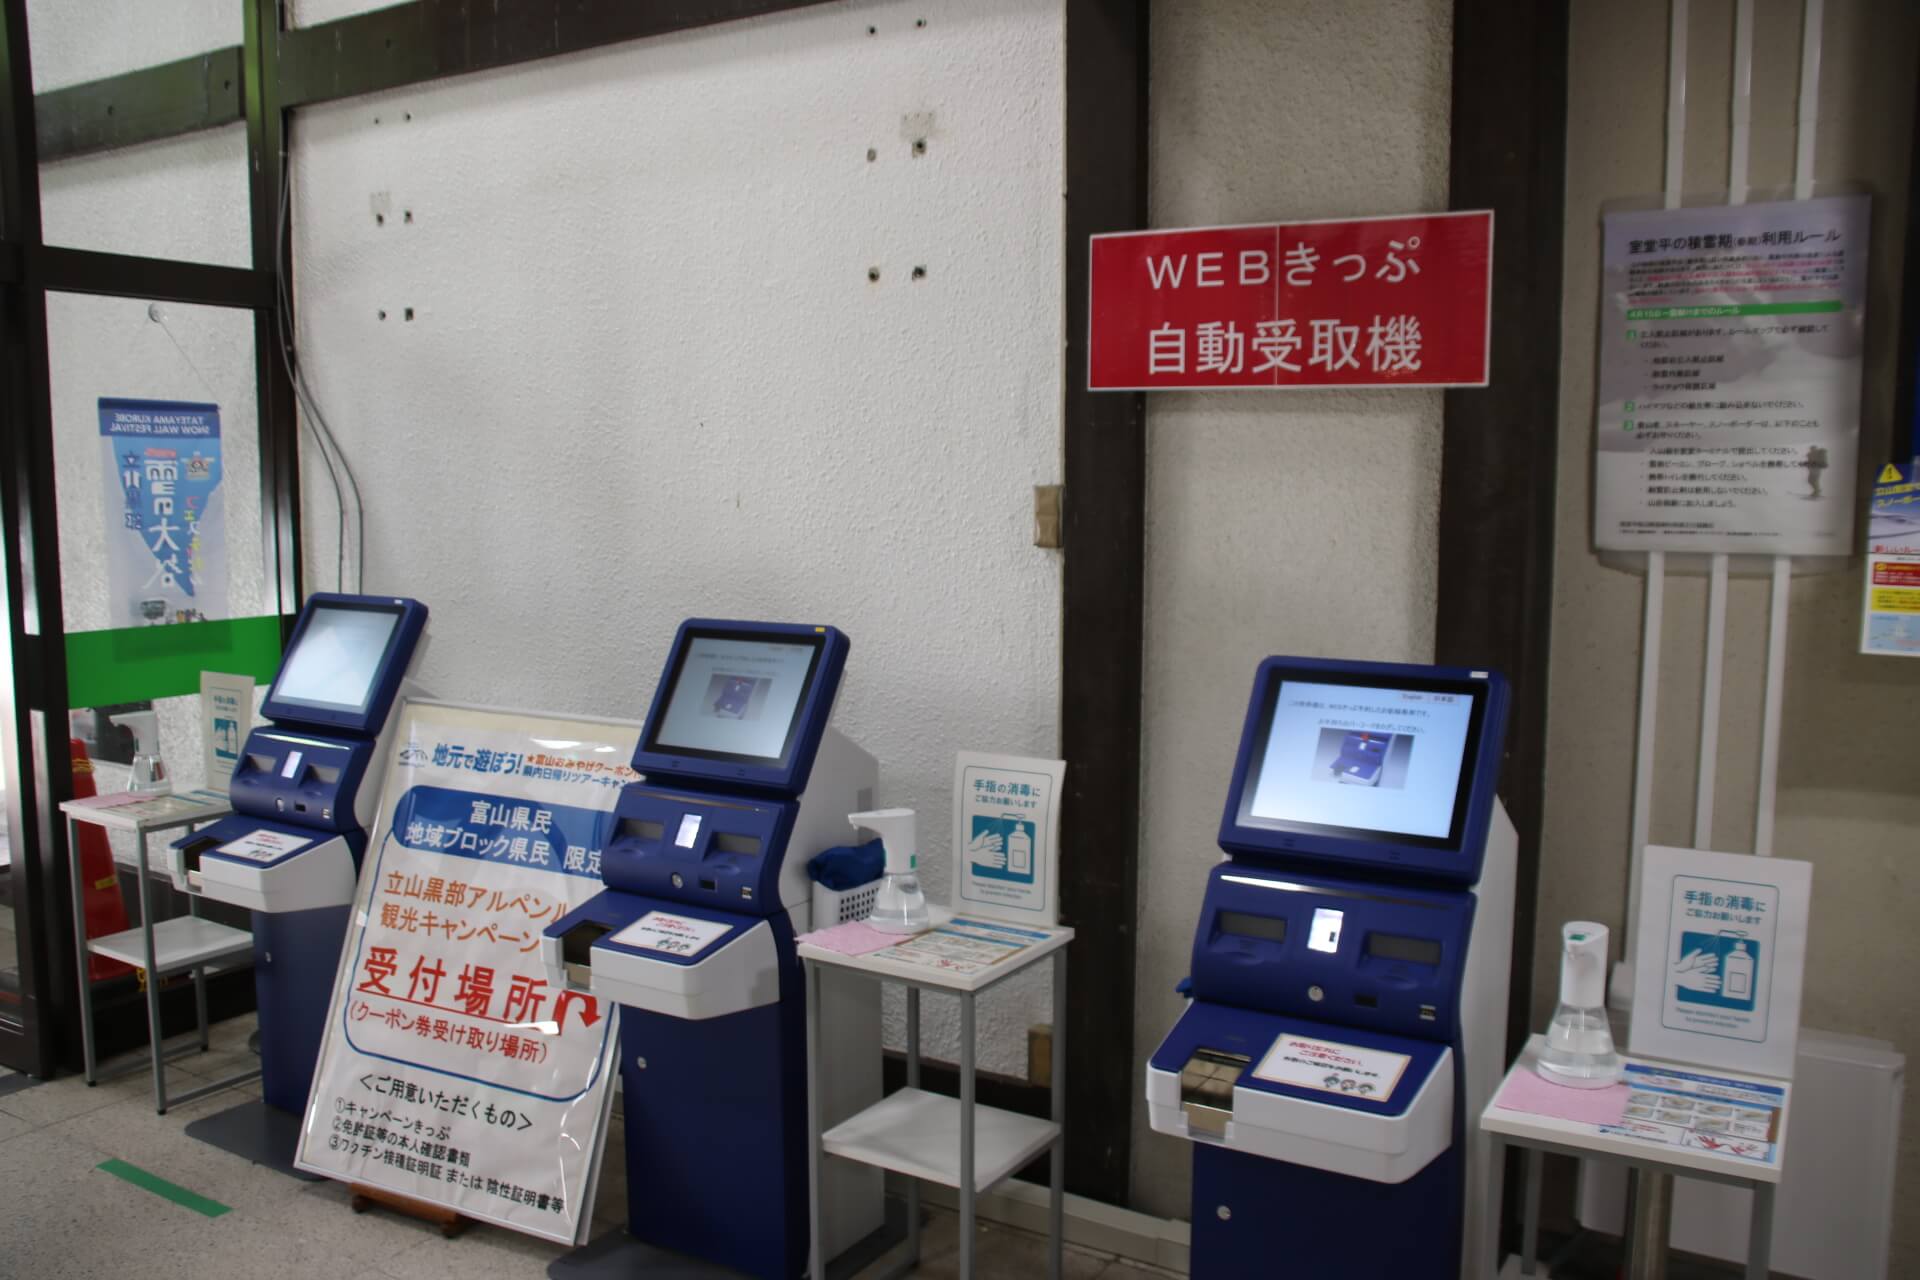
(1721, 958)
(1006, 837)
(451, 1072)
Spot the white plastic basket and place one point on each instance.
(837, 906)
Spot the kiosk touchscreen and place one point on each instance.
(291, 849)
(1349, 979)
(707, 886)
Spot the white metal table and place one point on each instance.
(950, 1141)
(1539, 1134)
(184, 943)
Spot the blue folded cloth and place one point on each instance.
(848, 866)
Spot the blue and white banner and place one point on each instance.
(166, 521)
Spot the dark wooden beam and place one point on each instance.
(201, 92)
(35, 747)
(1499, 448)
(268, 197)
(163, 280)
(1904, 439)
(1104, 532)
(430, 39)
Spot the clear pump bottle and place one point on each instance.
(899, 906)
(1579, 1050)
(149, 775)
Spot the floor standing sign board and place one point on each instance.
(452, 1072)
(1728, 414)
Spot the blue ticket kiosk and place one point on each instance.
(707, 886)
(1348, 995)
(303, 793)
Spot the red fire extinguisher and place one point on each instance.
(106, 911)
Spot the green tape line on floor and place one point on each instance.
(161, 1187)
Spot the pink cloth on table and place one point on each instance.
(1527, 1091)
(113, 800)
(854, 938)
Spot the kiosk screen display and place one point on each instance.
(1364, 760)
(736, 698)
(337, 661)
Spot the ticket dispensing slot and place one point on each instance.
(1206, 1090)
(576, 953)
(648, 953)
(300, 779)
(679, 843)
(183, 861)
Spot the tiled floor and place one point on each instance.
(62, 1216)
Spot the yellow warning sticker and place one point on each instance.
(1889, 474)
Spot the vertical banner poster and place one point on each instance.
(1401, 301)
(1006, 835)
(166, 522)
(1721, 959)
(1890, 615)
(1729, 392)
(453, 1070)
(226, 714)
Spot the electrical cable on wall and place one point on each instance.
(323, 437)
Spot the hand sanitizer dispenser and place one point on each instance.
(149, 771)
(1579, 1050)
(899, 906)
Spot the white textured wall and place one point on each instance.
(648, 376)
(1298, 522)
(1852, 812)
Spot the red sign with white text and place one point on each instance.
(1359, 302)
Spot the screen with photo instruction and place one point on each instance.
(337, 659)
(1363, 758)
(736, 697)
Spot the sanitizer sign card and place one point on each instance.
(1722, 953)
(1006, 832)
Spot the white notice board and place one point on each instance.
(451, 1071)
(1721, 958)
(1006, 836)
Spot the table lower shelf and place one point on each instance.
(918, 1134)
(179, 943)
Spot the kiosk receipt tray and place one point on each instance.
(264, 865)
(648, 953)
(1361, 1103)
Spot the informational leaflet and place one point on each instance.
(1890, 613)
(452, 1071)
(264, 845)
(670, 933)
(1330, 1067)
(1728, 414)
(1006, 824)
(166, 536)
(1679, 1108)
(964, 946)
(1722, 955)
